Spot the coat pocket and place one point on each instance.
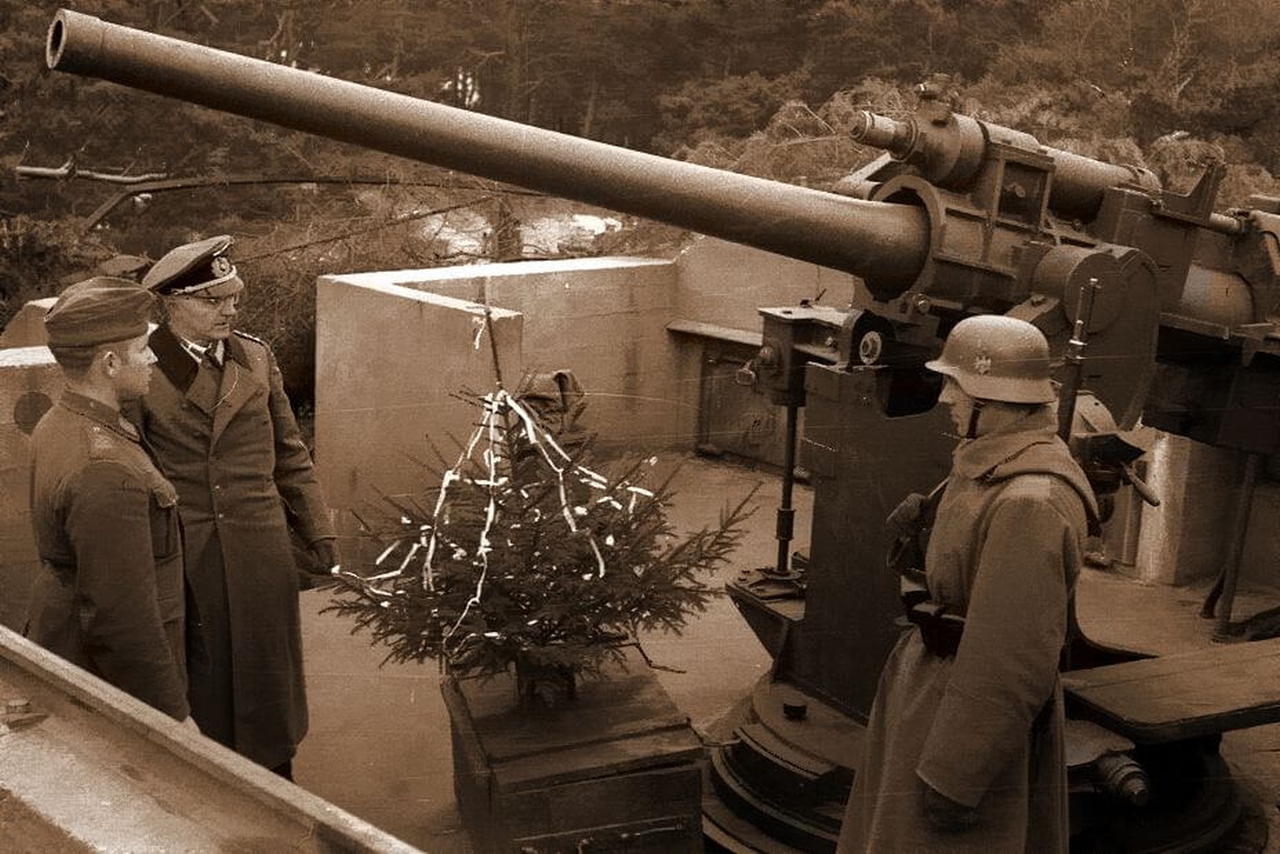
(165, 537)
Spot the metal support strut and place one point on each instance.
(787, 513)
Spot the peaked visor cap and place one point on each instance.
(193, 268)
(97, 311)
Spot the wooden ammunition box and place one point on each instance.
(616, 768)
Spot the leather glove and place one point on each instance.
(945, 815)
(326, 555)
(902, 521)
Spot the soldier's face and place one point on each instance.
(129, 365)
(202, 317)
(959, 402)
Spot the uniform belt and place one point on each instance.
(940, 631)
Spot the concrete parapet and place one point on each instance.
(1185, 539)
(29, 384)
(603, 318)
(726, 283)
(389, 360)
(26, 327)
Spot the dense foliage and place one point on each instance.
(1167, 83)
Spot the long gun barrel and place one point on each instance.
(879, 241)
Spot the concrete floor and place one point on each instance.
(379, 743)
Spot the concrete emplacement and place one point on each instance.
(394, 347)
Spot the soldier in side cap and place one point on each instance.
(223, 430)
(110, 593)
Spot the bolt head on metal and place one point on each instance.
(870, 348)
(795, 710)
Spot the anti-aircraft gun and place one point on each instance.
(959, 217)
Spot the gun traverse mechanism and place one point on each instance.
(958, 217)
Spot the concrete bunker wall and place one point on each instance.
(395, 348)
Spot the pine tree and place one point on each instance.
(519, 552)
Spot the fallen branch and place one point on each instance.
(69, 170)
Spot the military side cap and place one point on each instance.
(98, 311)
(192, 268)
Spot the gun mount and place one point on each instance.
(959, 217)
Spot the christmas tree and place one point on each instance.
(520, 552)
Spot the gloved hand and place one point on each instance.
(945, 815)
(902, 521)
(326, 554)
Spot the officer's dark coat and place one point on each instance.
(109, 596)
(228, 441)
(984, 728)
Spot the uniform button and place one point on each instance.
(217, 486)
(220, 515)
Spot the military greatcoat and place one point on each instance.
(109, 596)
(984, 728)
(227, 439)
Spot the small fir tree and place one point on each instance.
(521, 553)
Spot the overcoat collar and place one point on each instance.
(174, 361)
(978, 457)
(97, 411)
(1028, 445)
(235, 351)
(219, 394)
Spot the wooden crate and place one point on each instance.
(615, 769)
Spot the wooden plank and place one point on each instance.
(623, 756)
(1181, 696)
(627, 702)
(623, 799)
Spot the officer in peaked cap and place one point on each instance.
(201, 289)
(110, 593)
(193, 267)
(222, 427)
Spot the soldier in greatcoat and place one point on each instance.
(223, 430)
(964, 748)
(109, 596)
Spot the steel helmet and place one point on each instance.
(993, 357)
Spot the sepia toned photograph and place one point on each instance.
(640, 426)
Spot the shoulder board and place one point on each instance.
(253, 338)
(103, 443)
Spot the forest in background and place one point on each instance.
(750, 85)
